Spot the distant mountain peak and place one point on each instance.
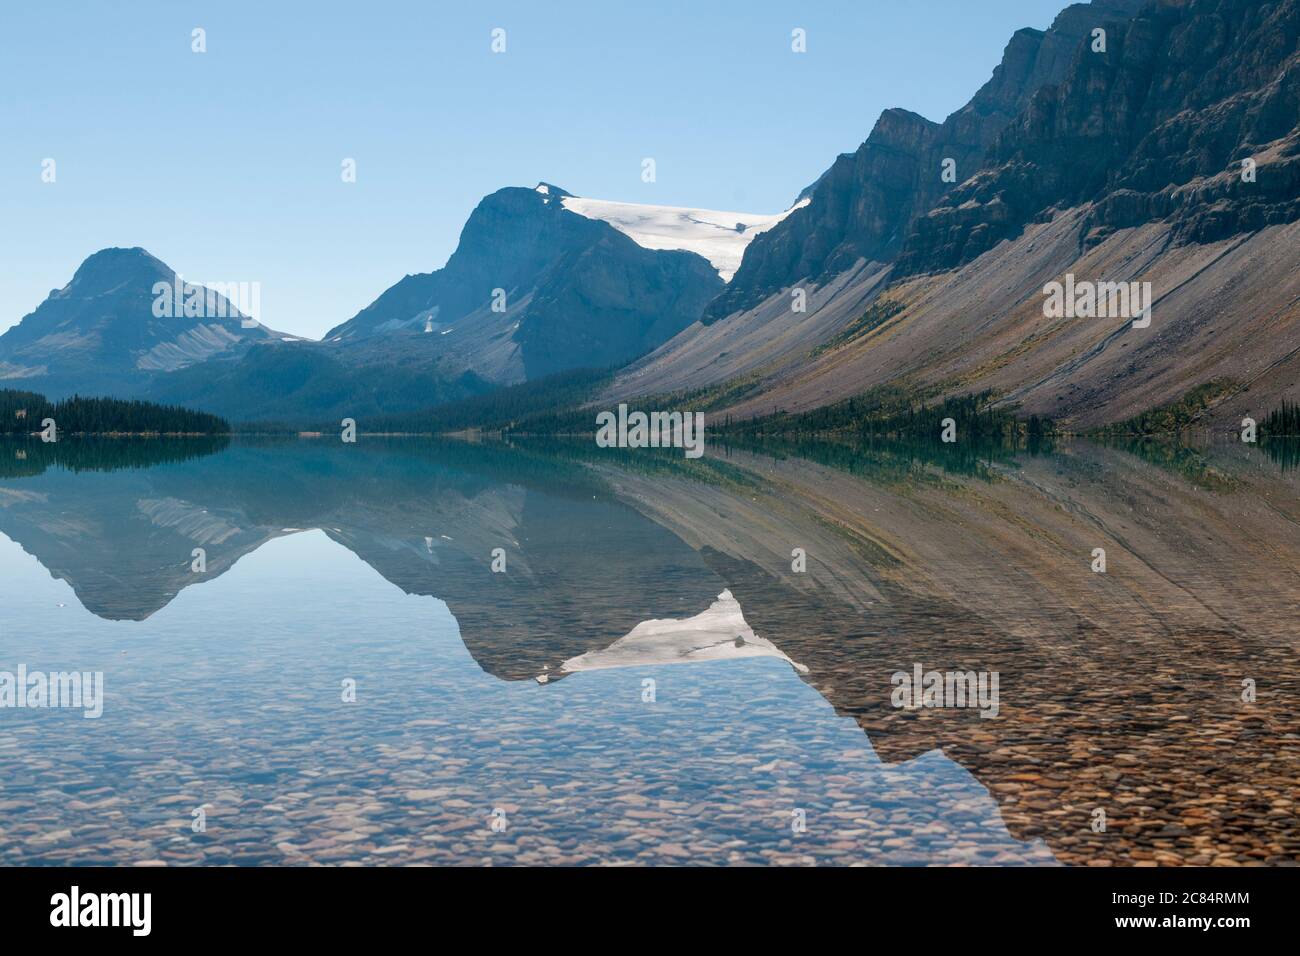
(103, 331)
(543, 281)
(109, 268)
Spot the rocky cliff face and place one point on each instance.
(1154, 127)
(100, 333)
(856, 211)
(864, 205)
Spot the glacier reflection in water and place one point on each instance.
(224, 689)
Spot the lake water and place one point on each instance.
(672, 661)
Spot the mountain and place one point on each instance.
(100, 333)
(1115, 165)
(1153, 143)
(839, 243)
(543, 281)
(861, 208)
(1154, 127)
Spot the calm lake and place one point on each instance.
(417, 651)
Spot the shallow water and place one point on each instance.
(531, 716)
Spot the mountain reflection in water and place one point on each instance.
(593, 692)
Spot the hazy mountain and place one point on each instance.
(536, 287)
(100, 333)
(541, 282)
(533, 288)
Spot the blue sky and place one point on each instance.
(226, 165)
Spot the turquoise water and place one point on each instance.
(329, 569)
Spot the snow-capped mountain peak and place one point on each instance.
(718, 236)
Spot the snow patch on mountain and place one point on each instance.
(718, 236)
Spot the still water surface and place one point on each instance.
(649, 679)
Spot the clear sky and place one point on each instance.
(226, 164)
